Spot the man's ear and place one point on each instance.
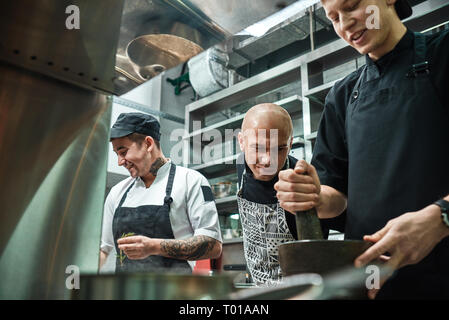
(149, 142)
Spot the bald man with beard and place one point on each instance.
(266, 140)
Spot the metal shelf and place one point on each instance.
(233, 240)
(227, 205)
(263, 82)
(292, 104)
(311, 136)
(232, 123)
(298, 140)
(273, 78)
(319, 93)
(226, 200)
(225, 164)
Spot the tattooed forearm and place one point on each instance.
(194, 248)
(159, 162)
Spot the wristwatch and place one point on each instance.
(444, 206)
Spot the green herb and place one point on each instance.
(122, 256)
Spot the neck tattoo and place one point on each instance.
(159, 162)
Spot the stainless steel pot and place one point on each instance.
(151, 54)
(153, 286)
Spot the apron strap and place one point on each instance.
(420, 64)
(171, 176)
(125, 194)
(420, 48)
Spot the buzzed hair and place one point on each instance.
(271, 111)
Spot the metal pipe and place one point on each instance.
(311, 30)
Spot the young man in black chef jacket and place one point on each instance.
(369, 158)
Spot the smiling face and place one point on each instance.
(265, 151)
(266, 140)
(352, 21)
(134, 156)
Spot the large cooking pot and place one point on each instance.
(152, 286)
(312, 254)
(154, 53)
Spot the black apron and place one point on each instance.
(406, 124)
(150, 221)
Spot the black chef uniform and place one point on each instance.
(383, 140)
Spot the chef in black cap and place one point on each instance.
(163, 215)
(382, 148)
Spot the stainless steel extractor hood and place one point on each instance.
(54, 126)
(196, 25)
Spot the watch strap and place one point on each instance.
(444, 206)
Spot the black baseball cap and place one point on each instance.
(403, 9)
(136, 122)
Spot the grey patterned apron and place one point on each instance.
(264, 229)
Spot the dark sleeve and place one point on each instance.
(337, 223)
(438, 54)
(330, 155)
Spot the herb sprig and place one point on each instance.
(122, 256)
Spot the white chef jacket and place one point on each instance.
(190, 213)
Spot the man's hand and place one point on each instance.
(298, 189)
(138, 247)
(408, 238)
(194, 248)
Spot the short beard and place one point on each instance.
(157, 164)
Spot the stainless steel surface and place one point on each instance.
(155, 53)
(349, 283)
(157, 17)
(205, 23)
(233, 254)
(425, 8)
(153, 286)
(303, 286)
(344, 284)
(54, 146)
(34, 36)
(126, 75)
(311, 29)
(306, 120)
(236, 15)
(54, 140)
(287, 30)
(147, 109)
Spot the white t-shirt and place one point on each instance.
(190, 213)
